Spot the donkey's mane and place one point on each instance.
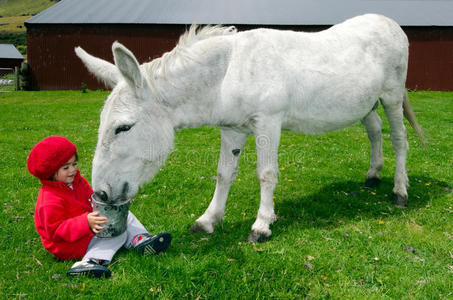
(197, 33)
(182, 51)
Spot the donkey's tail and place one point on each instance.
(410, 116)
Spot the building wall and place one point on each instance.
(10, 63)
(54, 64)
(430, 58)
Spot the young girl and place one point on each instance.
(64, 217)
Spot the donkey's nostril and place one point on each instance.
(102, 195)
(125, 188)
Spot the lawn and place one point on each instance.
(333, 238)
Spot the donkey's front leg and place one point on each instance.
(231, 148)
(267, 138)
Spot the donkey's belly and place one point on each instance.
(315, 126)
(315, 120)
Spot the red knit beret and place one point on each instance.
(49, 155)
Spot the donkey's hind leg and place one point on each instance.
(373, 126)
(231, 148)
(394, 112)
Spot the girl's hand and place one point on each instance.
(95, 221)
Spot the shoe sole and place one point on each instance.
(97, 273)
(157, 244)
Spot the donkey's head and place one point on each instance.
(135, 133)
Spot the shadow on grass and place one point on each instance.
(333, 204)
(350, 200)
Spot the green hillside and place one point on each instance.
(12, 8)
(13, 14)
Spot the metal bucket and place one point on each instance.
(116, 213)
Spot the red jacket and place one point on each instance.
(61, 217)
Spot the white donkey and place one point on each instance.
(253, 82)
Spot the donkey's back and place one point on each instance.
(318, 81)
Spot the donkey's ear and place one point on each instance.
(102, 69)
(128, 66)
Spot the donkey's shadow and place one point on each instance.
(330, 206)
(347, 200)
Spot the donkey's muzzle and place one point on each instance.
(109, 195)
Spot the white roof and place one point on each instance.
(10, 52)
(264, 12)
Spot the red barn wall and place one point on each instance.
(430, 58)
(54, 64)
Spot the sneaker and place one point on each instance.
(152, 244)
(90, 268)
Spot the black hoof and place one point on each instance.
(256, 237)
(197, 228)
(399, 201)
(372, 182)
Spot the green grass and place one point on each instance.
(13, 24)
(325, 243)
(11, 8)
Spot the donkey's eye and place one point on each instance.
(122, 128)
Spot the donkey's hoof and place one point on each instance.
(199, 227)
(399, 201)
(257, 237)
(372, 182)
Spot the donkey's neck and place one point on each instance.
(190, 87)
(193, 105)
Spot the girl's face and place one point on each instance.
(67, 172)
